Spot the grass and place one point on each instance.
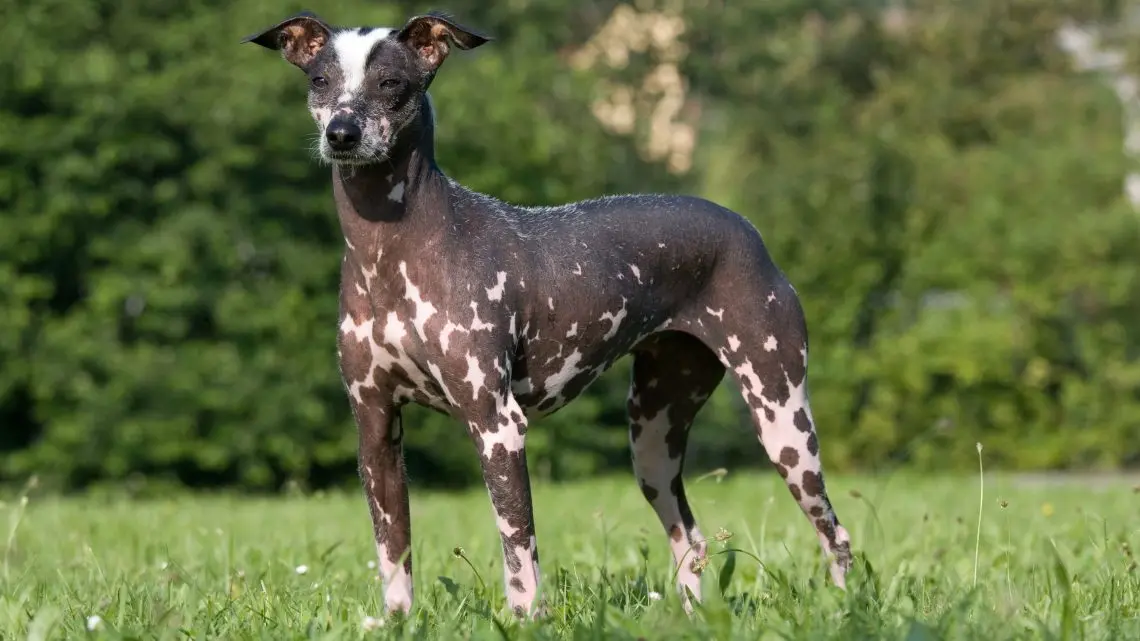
(1054, 561)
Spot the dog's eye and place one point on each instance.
(319, 82)
(389, 83)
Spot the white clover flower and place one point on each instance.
(371, 623)
(371, 565)
(654, 596)
(93, 622)
(302, 569)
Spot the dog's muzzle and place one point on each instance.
(343, 135)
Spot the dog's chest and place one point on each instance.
(384, 333)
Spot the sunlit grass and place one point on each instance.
(1054, 560)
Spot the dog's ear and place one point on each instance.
(430, 37)
(298, 38)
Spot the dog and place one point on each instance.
(497, 314)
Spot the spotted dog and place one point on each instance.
(497, 314)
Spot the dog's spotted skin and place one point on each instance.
(496, 314)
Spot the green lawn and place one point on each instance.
(1055, 560)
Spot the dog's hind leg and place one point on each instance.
(673, 375)
(766, 348)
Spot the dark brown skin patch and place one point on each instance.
(813, 483)
(678, 435)
(648, 492)
(827, 528)
(517, 584)
(816, 510)
(393, 352)
(676, 534)
(789, 457)
(774, 385)
(795, 490)
(813, 444)
(678, 489)
(801, 420)
(781, 469)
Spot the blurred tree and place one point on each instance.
(939, 182)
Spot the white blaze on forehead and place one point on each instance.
(352, 50)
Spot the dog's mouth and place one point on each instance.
(365, 153)
(361, 155)
(351, 158)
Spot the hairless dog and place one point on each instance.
(497, 314)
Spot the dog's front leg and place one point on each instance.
(385, 484)
(499, 433)
(381, 432)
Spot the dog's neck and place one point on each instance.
(379, 204)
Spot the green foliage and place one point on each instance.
(943, 191)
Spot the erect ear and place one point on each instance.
(298, 38)
(430, 36)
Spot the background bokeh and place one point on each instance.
(947, 183)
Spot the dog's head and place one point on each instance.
(366, 85)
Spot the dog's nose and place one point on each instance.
(342, 135)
